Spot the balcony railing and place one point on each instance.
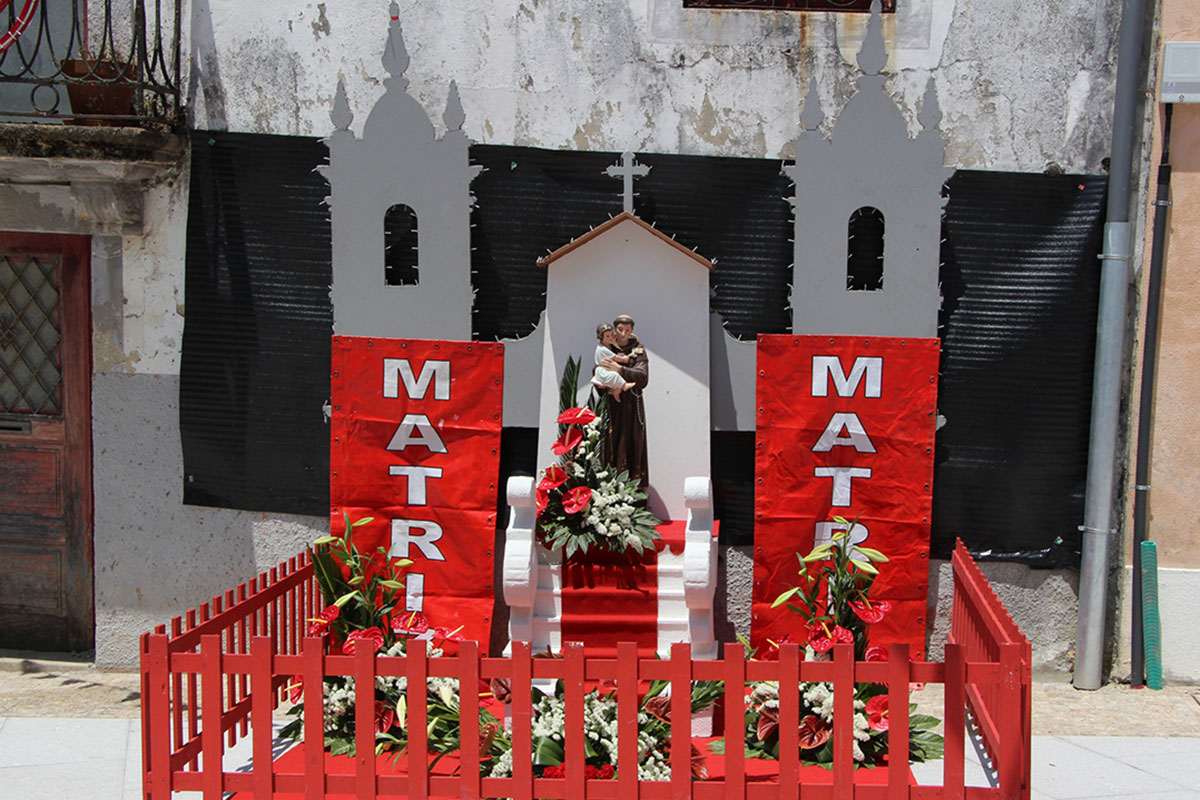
(90, 62)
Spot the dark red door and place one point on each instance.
(46, 600)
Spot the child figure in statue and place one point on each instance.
(602, 376)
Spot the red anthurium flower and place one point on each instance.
(371, 636)
(443, 635)
(821, 640)
(501, 689)
(659, 707)
(699, 764)
(868, 613)
(577, 416)
(487, 735)
(554, 477)
(814, 732)
(566, 443)
(876, 652)
(772, 651)
(319, 626)
(577, 499)
(543, 498)
(410, 623)
(877, 712)
(295, 689)
(385, 716)
(768, 723)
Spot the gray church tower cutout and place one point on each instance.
(868, 190)
(399, 171)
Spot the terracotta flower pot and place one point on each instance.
(99, 86)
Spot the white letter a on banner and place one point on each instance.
(416, 429)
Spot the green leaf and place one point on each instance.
(866, 566)
(922, 722)
(547, 752)
(355, 581)
(871, 553)
(341, 601)
(785, 596)
(320, 540)
(362, 521)
(392, 584)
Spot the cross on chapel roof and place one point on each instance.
(626, 169)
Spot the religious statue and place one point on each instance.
(602, 376)
(625, 439)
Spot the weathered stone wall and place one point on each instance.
(1022, 86)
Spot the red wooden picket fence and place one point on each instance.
(1002, 710)
(218, 675)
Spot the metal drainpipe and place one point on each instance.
(1098, 527)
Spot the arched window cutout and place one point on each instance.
(864, 258)
(400, 246)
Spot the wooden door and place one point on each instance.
(46, 600)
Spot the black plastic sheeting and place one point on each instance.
(1021, 281)
(1019, 275)
(256, 340)
(531, 202)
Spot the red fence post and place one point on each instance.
(789, 721)
(573, 738)
(1008, 723)
(681, 721)
(418, 742)
(522, 721)
(364, 721)
(468, 714)
(898, 728)
(954, 718)
(262, 701)
(735, 721)
(313, 677)
(627, 719)
(156, 709)
(211, 749)
(843, 720)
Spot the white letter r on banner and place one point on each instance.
(403, 536)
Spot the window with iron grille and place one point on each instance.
(889, 6)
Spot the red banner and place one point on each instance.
(845, 428)
(415, 444)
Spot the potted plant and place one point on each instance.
(99, 88)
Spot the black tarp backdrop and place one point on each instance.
(1020, 282)
(1018, 323)
(254, 375)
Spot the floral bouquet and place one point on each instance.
(581, 501)
(833, 599)
(362, 595)
(600, 732)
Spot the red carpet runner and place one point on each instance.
(611, 597)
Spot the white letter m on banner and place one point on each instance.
(826, 367)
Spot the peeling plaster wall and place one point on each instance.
(1022, 86)
(154, 556)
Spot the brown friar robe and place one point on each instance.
(625, 443)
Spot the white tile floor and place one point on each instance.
(100, 759)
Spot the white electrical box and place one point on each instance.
(1180, 73)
